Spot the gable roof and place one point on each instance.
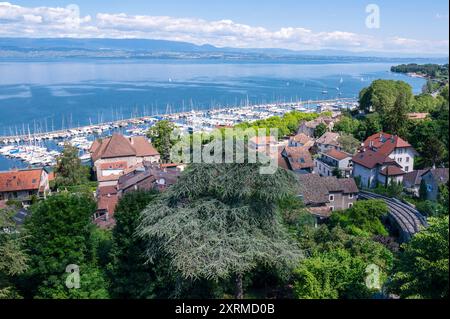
(392, 170)
(302, 139)
(119, 146)
(369, 158)
(329, 138)
(413, 178)
(142, 146)
(385, 142)
(316, 189)
(440, 175)
(298, 157)
(20, 180)
(338, 155)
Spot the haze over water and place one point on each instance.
(47, 95)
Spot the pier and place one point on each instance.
(101, 127)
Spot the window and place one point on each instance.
(331, 198)
(400, 159)
(407, 169)
(350, 196)
(407, 160)
(331, 208)
(350, 205)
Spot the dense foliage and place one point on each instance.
(13, 260)
(220, 221)
(286, 124)
(59, 233)
(69, 171)
(422, 271)
(337, 264)
(161, 137)
(131, 277)
(430, 70)
(363, 219)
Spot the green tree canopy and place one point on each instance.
(161, 137)
(221, 221)
(13, 260)
(320, 130)
(69, 171)
(381, 95)
(422, 270)
(348, 143)
(59, 233)
(130, 276)
(364, 218)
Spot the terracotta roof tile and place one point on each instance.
(338, 155)
(329, 138)
(119, 146)
(143, 147)
(392, 170)
(298, 157)
(20, 180)
(302, 139)
(114, 165)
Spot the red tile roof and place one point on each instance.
(114, 165)
(108, 203)
(385, 142)
(391, 170)
(21, 180)
(337, 154)
(298, 158)
(302, 139)
(119, 146)
(329, 138)
(377, 148)
(369, 158)
(106, 190)
(142, 146)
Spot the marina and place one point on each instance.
(42, 148)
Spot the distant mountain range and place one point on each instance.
(21, 47)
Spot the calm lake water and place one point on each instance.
(47, 95)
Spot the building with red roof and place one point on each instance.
(22, 184)
(383, 158)
(112, 156)
(333, 160)
(142, 177)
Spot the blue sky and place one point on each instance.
(406, 26)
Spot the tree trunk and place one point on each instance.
(239, 293)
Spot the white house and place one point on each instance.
(328, 162)
(383, 158)
(328, 141)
